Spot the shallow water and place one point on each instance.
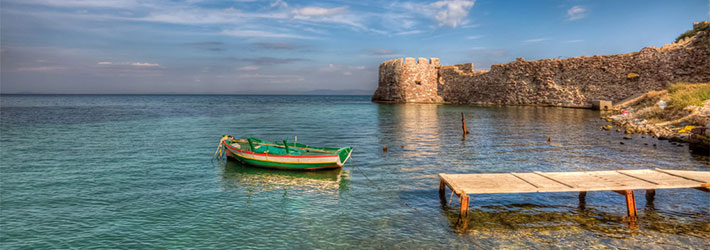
(135, 172)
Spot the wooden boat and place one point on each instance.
(260, 153)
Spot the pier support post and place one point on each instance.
(442, 191)
(582, 200)
(464, 205)
(650, 196)
(630, 203)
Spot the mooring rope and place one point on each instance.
(363, 174)
(451, 198)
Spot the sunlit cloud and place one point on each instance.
(263, 34)
(273, 78)
(575, 13)
(452, 12)
(410, 32)
(133, 64)
(536, 40)
(250, 68)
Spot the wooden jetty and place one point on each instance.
(623, 182)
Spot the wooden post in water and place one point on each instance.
(442, 191)
(650, 195)
(630, 203)
(582, 200)
(463, 125)
(464, 205)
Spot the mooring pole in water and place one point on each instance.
(463, 124)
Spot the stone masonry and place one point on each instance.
(571, 82)
(409, 80)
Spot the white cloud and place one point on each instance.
(344, 69)
(452, 12)
(536, 40)
(473, 37)
(262, 34)
(317, 11)
(576, 12)
(133, 64)
(274, 78)
(411, 32)
(279, 3)
(142, 64)
(122, 4)
(337, 15)
(42, 68)
(250, 68)
(574, 41)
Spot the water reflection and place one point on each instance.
(253, 180)
(412, 130)
(526, 221)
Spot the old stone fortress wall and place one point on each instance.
(568, 82)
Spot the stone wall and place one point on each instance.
(408, 80)
(573, 81)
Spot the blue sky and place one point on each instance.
(289, 47)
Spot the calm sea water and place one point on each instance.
(135, 172)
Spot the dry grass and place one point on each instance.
(682, 95)
(678, 96)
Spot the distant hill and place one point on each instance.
(338, 92)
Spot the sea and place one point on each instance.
(137, 172)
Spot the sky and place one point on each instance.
(296, 47)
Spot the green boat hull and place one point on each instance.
(294, 156)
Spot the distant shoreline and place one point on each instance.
(158, 94)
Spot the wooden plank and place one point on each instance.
(623, 182)
(490, 183)
(663, 180)
(637, 177)
(553, 179)
(702, 177)
(597, 181)
(543, 183)
(573, 181)
(451, 184)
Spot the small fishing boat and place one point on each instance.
(261, 153)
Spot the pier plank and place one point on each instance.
(620, 181)
(663, 180)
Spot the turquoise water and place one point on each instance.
(135, 172)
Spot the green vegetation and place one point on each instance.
(691, 33)
(677, 96)
(684, 94)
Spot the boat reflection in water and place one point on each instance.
(236, 175)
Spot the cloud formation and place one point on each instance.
(536, 40)
(277, 45)
(575, 13)
(132, 64)
(271, 60)
(452, 12)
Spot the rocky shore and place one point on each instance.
(690, 124)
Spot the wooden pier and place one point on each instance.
(623, 182)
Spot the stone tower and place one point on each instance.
(408, 80)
